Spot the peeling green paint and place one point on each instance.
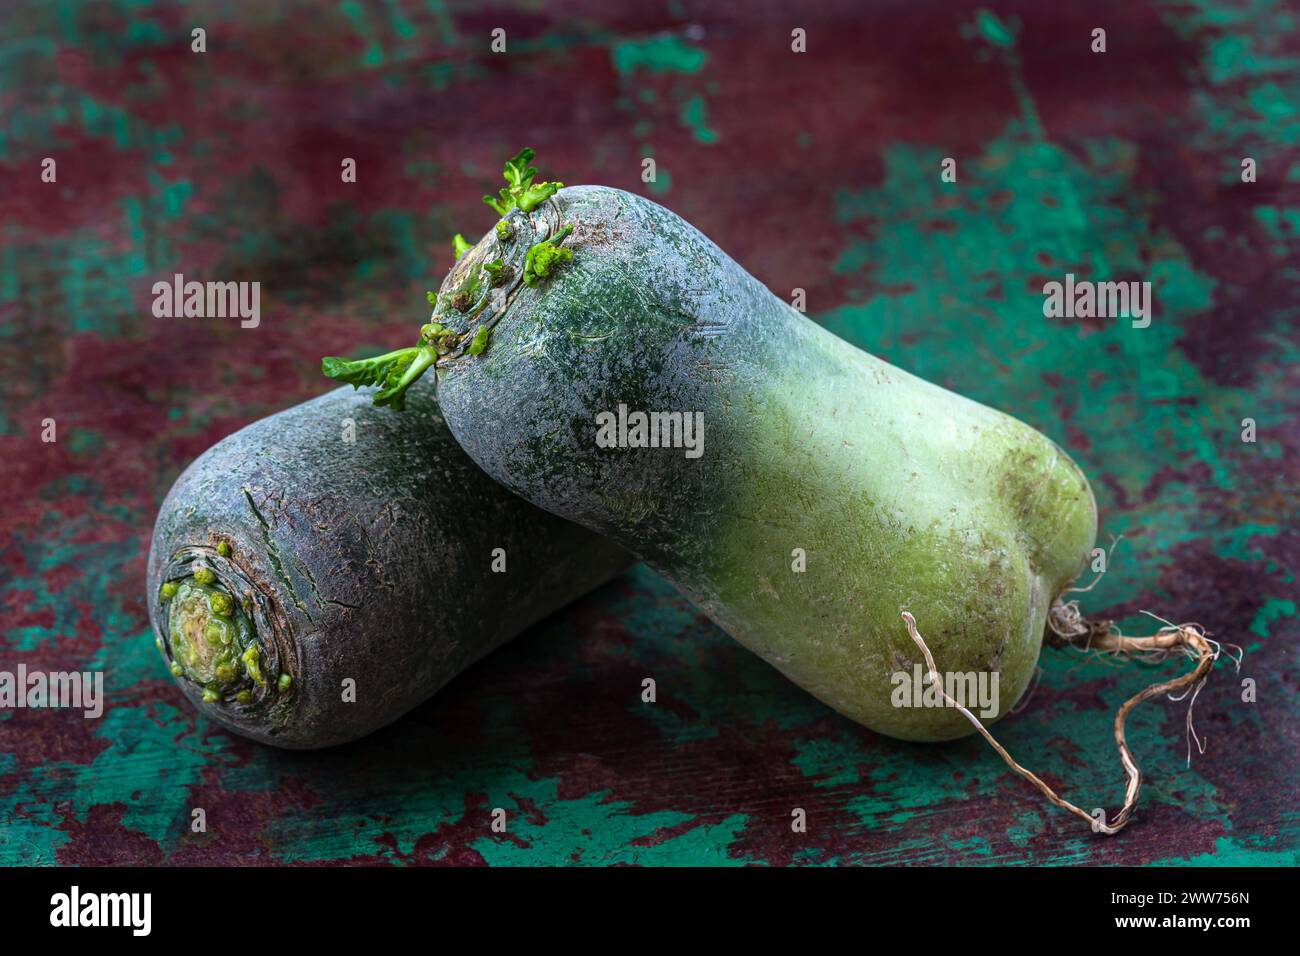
(659, 54)
(693, 117)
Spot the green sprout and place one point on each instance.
(439, 336)
(545, 257)
(253, 664)
(460, 246)
(480, 341)
(393, 372)
(505, 231)
(522, 192)
(497, 272)
(223, 605)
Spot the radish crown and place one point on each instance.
(472, 281)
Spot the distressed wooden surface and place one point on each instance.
(818, 171)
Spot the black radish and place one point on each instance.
(319, 573)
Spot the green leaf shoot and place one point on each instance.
(393, 372)
(545, 257)
(521, 192)
(480, 341)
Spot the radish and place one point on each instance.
(821, 493)
(316, 575)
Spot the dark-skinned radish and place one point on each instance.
(605, 360)
(318, 574)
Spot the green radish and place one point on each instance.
(316, 575)
(809, 493)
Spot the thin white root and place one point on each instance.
(1109, 551)
(1071, 629)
